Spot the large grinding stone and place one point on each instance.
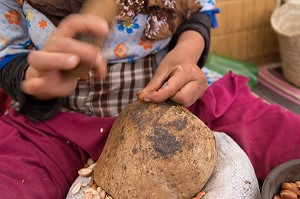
(156, 150)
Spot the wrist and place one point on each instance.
(190, 44)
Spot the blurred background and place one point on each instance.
(244, 31)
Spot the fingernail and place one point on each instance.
(139, 92)
(143, 91)
(72, 60)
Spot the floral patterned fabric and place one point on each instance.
(22, 28)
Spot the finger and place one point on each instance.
(189, 93)
(82, 23)
(162, 94)
(42, 60)
(142, 94)
(43, 88)
(89, 54)
(169, 89)
(33, 86)
(156, 82)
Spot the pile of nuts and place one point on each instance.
(90, 189)
(289, 190)
(88, 186)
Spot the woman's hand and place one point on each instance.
(45, 77)
(178, 77)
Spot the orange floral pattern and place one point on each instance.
(20, 2)
(147, 44)
(43, 24)
(121, 50)
(13, 17)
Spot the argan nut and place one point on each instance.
(288, 194)
(92, 166)
(99, 189)
(200, 194)
(298, 184)
(94, 186)
(286, 186)
(85, 172)
(87, 195)
(295, 189)
(102, 194)
(91, 190)
(76, 188)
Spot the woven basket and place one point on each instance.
(285, 20)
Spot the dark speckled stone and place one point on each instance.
(156, 151)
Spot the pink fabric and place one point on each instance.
(4, 102)
(40, 160)
(268, 134)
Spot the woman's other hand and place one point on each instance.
(45, 77)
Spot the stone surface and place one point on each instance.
(156, 151)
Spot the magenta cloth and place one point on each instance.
(267, 133)
(4, 102)
(41, 160)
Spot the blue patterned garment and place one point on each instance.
(211, 76)
(22, 29)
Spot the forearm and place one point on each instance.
(190, 44)
(200, 23)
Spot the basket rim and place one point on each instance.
(275, 26)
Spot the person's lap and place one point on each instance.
(43, 158)
(39, 162)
